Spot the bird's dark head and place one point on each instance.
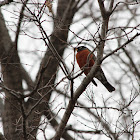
(80, 48)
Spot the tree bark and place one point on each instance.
(10, 65)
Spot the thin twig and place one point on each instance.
(124, 45)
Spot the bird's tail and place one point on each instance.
(108, 86)
(101, 77)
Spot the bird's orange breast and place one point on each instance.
(85, 60)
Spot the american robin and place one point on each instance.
(85, 59)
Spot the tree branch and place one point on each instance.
(124, 45)
(19, 22)
(4, 2)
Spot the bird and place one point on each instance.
(86, 59)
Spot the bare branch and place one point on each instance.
(124, 45)
(19, 22)
(111, 5)
(4, 2)
(102, 9)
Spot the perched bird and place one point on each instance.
(85, 59)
